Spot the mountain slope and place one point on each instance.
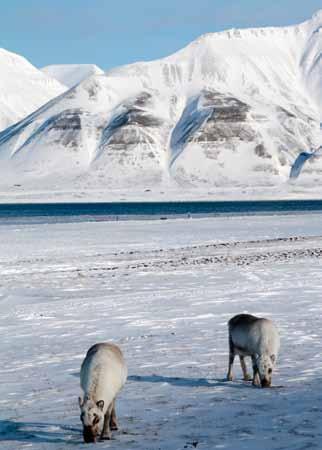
(71, 74)
(234, 108)
(23, 88)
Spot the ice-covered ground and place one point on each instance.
(67, 194)
(163, 291)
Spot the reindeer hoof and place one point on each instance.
(106, 437)
(114, 427)
(247, 378)
(229, 378)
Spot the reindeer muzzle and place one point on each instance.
(265, 383)
(89, 436)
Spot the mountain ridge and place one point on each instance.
(233, 108)
(23, 88)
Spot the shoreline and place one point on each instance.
(38, 213)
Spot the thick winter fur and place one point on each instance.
(255, 337)
(103, 374)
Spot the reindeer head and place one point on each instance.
(92, 417)
(265, 365)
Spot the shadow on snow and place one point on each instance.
(187, 382)
(11, 430)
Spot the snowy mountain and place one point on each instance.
(71, 74)
(234, 108)
(23, 88)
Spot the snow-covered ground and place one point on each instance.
(163, 291)
(64, 194)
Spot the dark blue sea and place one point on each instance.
(81, 212)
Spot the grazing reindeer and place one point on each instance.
(256, 337)
(103, 374)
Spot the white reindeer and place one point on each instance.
(256, 337)
(103, 374)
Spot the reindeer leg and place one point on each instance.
(256, 378)
(246, 375)
(113, 421)
(106, 433)
(231, 360)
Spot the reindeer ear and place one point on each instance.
(273, 358)
(80, 402)
(100, 404)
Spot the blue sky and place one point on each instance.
(111, 32)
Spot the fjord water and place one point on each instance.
(82, 212)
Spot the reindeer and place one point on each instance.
(256, 337)
(103, 374)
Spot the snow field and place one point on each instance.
(58, 298)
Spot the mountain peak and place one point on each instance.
(23, 88)
(72, 74)
(317, 15)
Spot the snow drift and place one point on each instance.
(233, 108)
